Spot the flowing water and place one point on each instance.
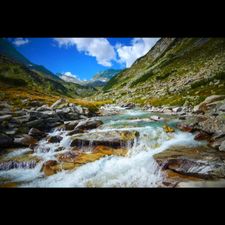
(136, 169)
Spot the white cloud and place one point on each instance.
(100, 48)
(20, 41)
(139, 47)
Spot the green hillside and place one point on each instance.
(176, 71)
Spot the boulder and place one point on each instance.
(205, 105)
(58, 103)
(75, 131)
(54, 139)
(76, 108)
(47, 167)
(65, 116)
(71, 124)
(156, 118)
(216, 143)
(177, 109)
(129, 105)
(5, 141)
(222, 146)
(38, 123)
(43, 108)
(201, 162)
(89, 124)
(35, 133)
(115, 139)
(5, 118)
(25, 140)
(200, 136)
(222, 108)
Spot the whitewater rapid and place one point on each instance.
(137, 169)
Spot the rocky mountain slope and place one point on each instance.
(8, 50)
(99, 80)
(176, 71)
(20, 76)
(106, 75)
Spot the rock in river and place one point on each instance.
(5, 141)
(54, 139)
(89, 124)
(201, 162)
(35, 133)
(25, 140)
(116, 139)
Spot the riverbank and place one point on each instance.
(65, 145)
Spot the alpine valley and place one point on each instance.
(158, 123)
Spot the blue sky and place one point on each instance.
(83, 57)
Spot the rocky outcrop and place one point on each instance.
(38, 120)
(73, 159)
(199, 162)
(211, 125)
(115, 139)
(207, 103)
(89, 124)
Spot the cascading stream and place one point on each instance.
(137, 169)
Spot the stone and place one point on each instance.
(5, 141)
(5, 118)
(222, 146)
(43, 108)
(54, 139)
(38, 123)
(222, 108)
(204, 106)
(201, 162)
(25, 140)
(58, 103)
(75, 131)
(200, 136)
(35, 133)
(177, 109)
(71, 124)
(115, 139)
(129, 105)
(156, 118)
(47, 167)
(67, 116)
(185, 128)
(168, 129)
(89, 124)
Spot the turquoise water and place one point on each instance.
(137, 169)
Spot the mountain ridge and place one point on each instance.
(176, 71)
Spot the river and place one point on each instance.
(137, 169)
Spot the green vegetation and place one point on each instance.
(176, 71)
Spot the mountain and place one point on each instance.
(71, 79)
(8, 50)
(99, 80)
(176, 71)
(17, 72)
(106, 75)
